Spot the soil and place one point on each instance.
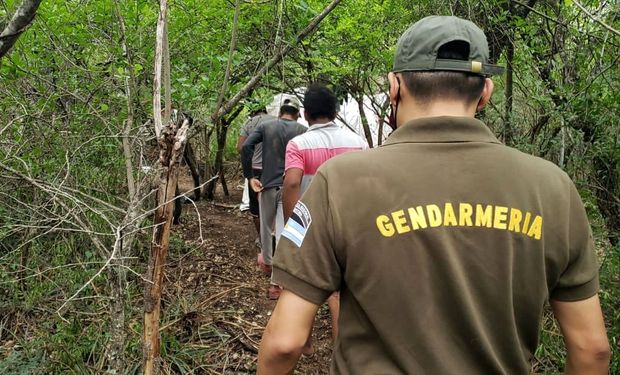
(222, 293)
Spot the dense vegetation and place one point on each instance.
(77, 144)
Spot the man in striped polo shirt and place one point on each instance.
(304, 155)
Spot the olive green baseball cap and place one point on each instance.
(417, 48)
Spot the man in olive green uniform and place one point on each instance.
(444, 243)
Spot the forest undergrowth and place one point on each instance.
(214, 308)
(78, 152)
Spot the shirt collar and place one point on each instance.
(442, 129)
(321, 126)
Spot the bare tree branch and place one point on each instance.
(22, 18)
(273, 61)
(231, 51)
(581, 7)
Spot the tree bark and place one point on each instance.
(190, 160)
(166, 78)
(365, 126)
(171, 145)
(20, 21)
(219, 157)
(159, 51)
(382, 114)
(222, 132)
(380, 110)
(115, 352)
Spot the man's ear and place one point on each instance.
(487, 92)
(394, 88)
(306, 117)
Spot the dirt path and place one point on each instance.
(221, 293)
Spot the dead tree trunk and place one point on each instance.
(171, 146)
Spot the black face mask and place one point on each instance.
(394, 109)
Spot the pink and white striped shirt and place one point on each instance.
(320, 143)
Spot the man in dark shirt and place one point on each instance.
(257, 118)
(274, 136)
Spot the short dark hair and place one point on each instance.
(320, 101)
(426, 86)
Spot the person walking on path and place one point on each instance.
(306, 153)
(274, 135)
(258, 117)
(448, 245)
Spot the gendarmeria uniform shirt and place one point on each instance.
(445, 245)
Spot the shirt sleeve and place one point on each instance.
(245, 131)
(579, 280)
(249, 126)
(247, 150)
(293, 158)
(306, 262)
